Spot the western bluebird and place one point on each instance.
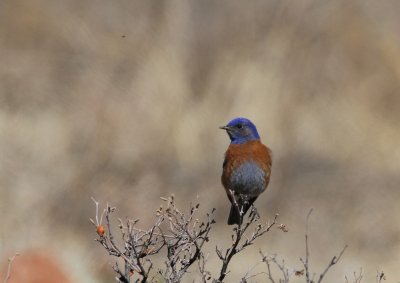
(246, 168)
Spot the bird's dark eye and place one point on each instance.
(239, 126)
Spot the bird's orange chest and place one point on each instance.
(238, 154)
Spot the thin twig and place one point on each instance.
(239, 231)
(380, 276)
(333, 261)
(305, 263)
(357, 277)
(10, 262)
(281, 267)
(248, 274)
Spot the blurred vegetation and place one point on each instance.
(121, 100)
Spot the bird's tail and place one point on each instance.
(234, 215)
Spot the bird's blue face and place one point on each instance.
(241, 130)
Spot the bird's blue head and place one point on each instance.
(241, 130)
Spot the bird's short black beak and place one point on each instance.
(226, 128)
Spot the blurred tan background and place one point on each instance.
(121, 100)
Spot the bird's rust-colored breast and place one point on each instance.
(237, 154)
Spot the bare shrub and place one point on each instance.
(178, 237)
(181, 235)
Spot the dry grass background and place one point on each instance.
(121, 100)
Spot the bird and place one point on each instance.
(246, 168)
